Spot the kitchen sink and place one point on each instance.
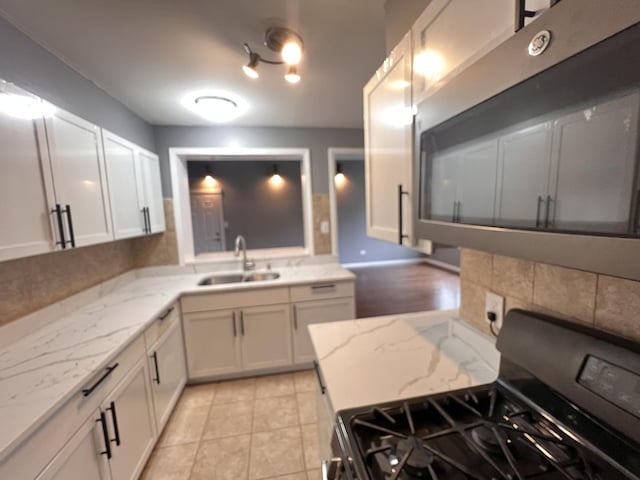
(225, 278)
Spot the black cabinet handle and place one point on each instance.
(453, 215)
(401, 237)
(114, 419)
(316, 366)
(241, 323)
(155, 363)
(233, 322)
(58, 211)
(88, 391)
(166, 314)
(143, 210)
(326, 286)
(538, 208)
(148, 220)
(547, 212)
(522, 13)
(72, 235)
(105, 434)
(295, 317)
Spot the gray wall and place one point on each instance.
(267, 216)
(28, 65)
(399, 16)
(316, 139)
(352, 227)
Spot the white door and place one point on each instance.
(168, 372)
(81, 456)
(126, 197)
(131, 423)
(388, 135)
(211, 340)
(445, 180)
(207, 218)
(26, 191)
(306, 313)
(77, 164)
(523, 177)
(477, 192)
(266, 336)
(439, 53)
(152, 185)
(594, 152)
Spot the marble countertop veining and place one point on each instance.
(382, 359)
(41, 371)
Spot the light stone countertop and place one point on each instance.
(42, 370)
(382, 359)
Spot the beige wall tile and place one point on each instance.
(472, 304)
(513, 277)
(476, 266)
(321, 241)
(570, 292)
(618, 306)
(511, 303)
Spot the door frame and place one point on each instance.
(336, 155)
(221, 195)
(181, 198)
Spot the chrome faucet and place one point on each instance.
(242, 243)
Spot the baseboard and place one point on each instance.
(382, 263)
(442, 265)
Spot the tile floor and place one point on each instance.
(255, 428)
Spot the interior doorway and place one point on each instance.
(207, 216)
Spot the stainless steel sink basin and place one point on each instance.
(225, 278)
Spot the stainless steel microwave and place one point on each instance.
(533, 150)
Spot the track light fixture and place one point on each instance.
(283, 41)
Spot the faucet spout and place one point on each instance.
(241, 244)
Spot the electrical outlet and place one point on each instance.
(324, 226)
(494, 303)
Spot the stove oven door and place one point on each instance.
(339, 466)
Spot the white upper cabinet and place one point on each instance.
(452, 34)
(388, 132)
(149, 172)
(78, 170)
(125, 186)
(26, 191)
(593, 161)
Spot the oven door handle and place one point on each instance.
(331, 469)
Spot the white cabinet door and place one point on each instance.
(81, 457)
(26, 192)
(168, 372)
(593, 157)
(445, 179)
(125, 186)
(77, 165)
(452, 34)
(388, 135)
(211, 341)
(152, 186)
(478, 183)
(523, 177)
(266, 336)
(306, 313)
(131, 423)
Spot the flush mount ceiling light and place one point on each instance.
(283, 41)
(215, 106)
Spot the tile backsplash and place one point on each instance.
(609, 303)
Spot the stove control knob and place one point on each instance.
(331, 469)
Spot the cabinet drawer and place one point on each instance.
(162, 323)
(318, 291)
(38, 450)
(250, 298)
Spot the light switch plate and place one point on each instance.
(494, 303)
(324, 226)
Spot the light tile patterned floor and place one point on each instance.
(252, 429)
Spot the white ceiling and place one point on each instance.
(148, 54)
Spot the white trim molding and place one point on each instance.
(180, 187)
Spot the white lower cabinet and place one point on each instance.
(130, 423)
(167, 372)
(265, 336)
(80, 458)
(306, 313)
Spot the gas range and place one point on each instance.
(566, 405)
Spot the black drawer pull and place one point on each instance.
(88, 391)
(105, 434)
(328, 286)
(70, 225)
(401, 236)
(155, 363)
(114, 418)
(316, 366)
(166, 314)
(58, 211)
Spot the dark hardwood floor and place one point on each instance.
(393, 289)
